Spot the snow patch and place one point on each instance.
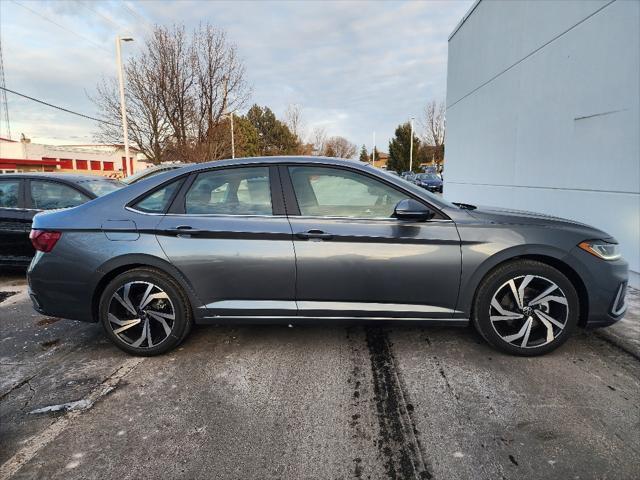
(66, 407)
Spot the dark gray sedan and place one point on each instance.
(297, 239)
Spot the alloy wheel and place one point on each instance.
(529, 311)
(141, 314)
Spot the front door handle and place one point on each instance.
(314, 234)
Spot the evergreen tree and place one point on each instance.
(274, 137)
(364, 156)
(399, 149)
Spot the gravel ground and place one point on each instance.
(320, 402)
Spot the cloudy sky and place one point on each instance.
(353, 67)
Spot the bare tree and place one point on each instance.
(434, 123)
(339, 147)
(179, 92)
(318, 139)
(293, 119)
(149, 128)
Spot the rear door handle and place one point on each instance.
(184, 231)
(314, 234)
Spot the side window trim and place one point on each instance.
(176, 206)
(291, 200)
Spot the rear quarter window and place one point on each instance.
(158, 200)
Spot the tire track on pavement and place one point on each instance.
(398, 442)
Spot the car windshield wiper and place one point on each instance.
(465, 206)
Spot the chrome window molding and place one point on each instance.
(199, 215)
(309, 217)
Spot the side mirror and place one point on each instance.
(409, 209)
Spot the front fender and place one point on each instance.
(477, 264)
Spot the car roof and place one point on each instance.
(277, 159)
(68, 177)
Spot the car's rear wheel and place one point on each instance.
(145, 312)
(526, 308)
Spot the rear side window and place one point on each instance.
(233, 191)
(9, 193)
(158, 200)
(49, 195)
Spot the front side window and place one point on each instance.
(233, 191)
(49, 195)
(158, 201)
(9, 193)
(334, 192)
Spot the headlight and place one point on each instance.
(601, 249)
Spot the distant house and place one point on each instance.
(381, 160)
(97, 159)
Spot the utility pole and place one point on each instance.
(373, 151)
(230, 115)
(3, 95)
(233, 143)
(411, 148)
(123, 107)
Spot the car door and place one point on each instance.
(227, 232)
(15, 246)
(354, 259)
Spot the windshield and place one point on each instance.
(101, 186)
(148, 172)
(427, 176)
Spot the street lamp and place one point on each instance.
(123, 107)
(411, 148)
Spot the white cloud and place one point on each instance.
(354, 67)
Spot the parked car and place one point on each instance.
(409, 176)
(430, 181)
(301, 239)
(24, 195)
(151, 171)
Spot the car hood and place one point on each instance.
(522, 217)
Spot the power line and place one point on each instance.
(59, 108)
(44, 17)
(105, 17)
(150, 26)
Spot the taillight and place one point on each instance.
(43, 240)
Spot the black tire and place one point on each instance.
(496, 283)
(177, 305)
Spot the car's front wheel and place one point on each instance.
(526, 308)
(145, 312)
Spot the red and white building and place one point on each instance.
(97, 159)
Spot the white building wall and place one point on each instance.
(543, 112)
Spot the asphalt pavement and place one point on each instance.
(324, 402)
